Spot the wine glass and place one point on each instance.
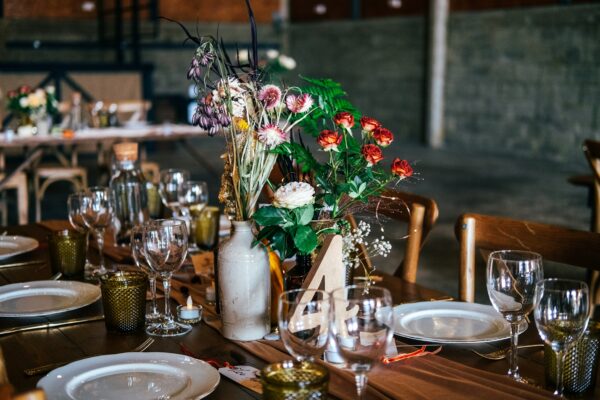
(137, 250)
(561, 316)
(304, 322)
(97, 212)
(511, 279)
(76, 219)
(168, 188)
(165, 247)
(361, 325)
(193, 197)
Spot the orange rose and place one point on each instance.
(369, 124)
(329, 140)
(344, 119)
(383, 136)
(401, 168)
(372, 154)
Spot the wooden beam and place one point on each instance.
(436, 72)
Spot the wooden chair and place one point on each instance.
(44, 176)
(554, 243)
(420, 213)
(591, 150)
(17, 182)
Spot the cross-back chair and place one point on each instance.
(490, 233)
(419, 213)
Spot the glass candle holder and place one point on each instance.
(189, 314)
(294, 381)
(581, 363)
(207, 228)
(124, 300)
(67, 253)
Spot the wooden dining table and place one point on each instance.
(65, 344)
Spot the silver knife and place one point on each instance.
(22, 264)
(47, 325)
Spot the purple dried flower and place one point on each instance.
(206, 58)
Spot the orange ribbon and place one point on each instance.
(417, 353)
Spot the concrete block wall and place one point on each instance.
(524, 81)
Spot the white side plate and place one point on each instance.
(451, 322)
(13, 245)
(37, 298)
(140, 376)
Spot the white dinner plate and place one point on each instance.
(13, 245)
(37, 298)
(140, 376)
(451, 322)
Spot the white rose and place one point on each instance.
(294, 195)
(23, 102)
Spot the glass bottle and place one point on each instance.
(129, 190)
(294, 278)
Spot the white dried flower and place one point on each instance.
(294, 195)
(272, 135)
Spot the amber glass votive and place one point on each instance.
(124, 300)
(67, 253)
(207, 228)
(294, 381)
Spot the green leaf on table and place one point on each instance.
(305, 239)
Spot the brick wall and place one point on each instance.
(524, 81)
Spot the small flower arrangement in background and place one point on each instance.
(32, 104)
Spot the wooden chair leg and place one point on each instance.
(23, 201)
(38, 200)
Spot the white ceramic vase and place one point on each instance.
(43, 125)
(244, 285)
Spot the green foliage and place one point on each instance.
(288, 231)
(330, 99)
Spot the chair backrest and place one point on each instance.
(419, 213)
(554, 243)
(591, 149)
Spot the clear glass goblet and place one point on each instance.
(511, 279)
(97, 211)
(169, 186)
(362, 325)
(76, 219)
(165, 247)
(561, 316)
(193, 198)
(303, 318)
(139, 256)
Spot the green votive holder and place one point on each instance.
(581, 363)
(207, 228)
(292, 381)
(67, 253)
(124, 300)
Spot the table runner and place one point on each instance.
(432, 377)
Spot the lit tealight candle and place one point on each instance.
(189, 313)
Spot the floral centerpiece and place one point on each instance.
(33, 106)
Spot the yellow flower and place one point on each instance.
(241, 124)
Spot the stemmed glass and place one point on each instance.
(304, 322)
(561, 316)
(361, 325)
(165, 247)
(139, 256)
(97, 212)
(511, 279)
(193, 197)
(76, 219)
(169, 186)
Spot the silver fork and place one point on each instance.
(501, 354)
(43, 369)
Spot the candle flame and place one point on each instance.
(189, 305)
